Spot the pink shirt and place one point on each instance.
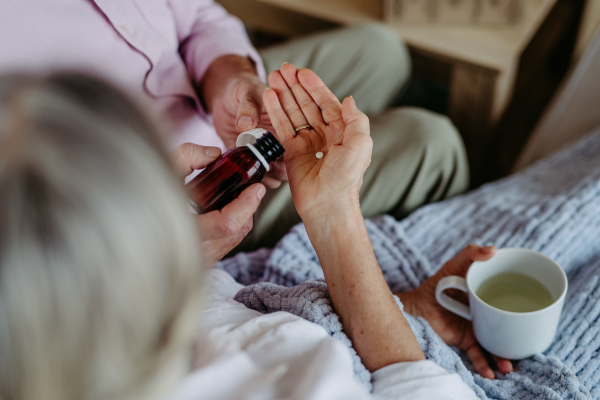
(156, 49)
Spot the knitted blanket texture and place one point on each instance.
(552, 207)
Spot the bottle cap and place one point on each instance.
(269, 147)
(249, 137)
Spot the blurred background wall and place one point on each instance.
(573, 111)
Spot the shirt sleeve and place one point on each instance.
(206, 32)
(419, 380)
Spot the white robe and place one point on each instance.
(246, 354)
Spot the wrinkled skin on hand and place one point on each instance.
(220, 230)
(233, 93)
(454, 330)
(340, 132)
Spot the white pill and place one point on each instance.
(320, 154)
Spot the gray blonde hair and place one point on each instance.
(99, 267)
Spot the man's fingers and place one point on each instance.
(330, 106)
(250, 109)
(214, 250)
(505, 366)
(279, 119)
(237, 213)
(479, 361)
(189, 157)
(231, 219)
(277, 174)
(278, 171)
(460, 264)
(271, 183)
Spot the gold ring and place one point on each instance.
(302, 127)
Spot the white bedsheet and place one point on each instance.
(246, 354)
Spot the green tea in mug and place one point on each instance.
(512, 291)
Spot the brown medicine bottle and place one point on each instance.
(226, 177)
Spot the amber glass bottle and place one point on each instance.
(231, 173)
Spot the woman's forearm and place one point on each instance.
(380, 333)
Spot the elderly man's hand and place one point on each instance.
(340, 133)
(233, 94)
(454, 330)
(220, 230)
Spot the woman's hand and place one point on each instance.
(454, 330)
(220, 230)
(325, 193)
(341, 133)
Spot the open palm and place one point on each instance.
(340, 132)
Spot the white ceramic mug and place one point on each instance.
(511, 335)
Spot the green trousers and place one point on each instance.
(418, 156)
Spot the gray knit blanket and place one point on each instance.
(552, 207)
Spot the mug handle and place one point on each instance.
(452, 282)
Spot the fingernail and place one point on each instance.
(213, 152)
(285, 62)
(261, 192)
(488, 249)
(245, 122)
